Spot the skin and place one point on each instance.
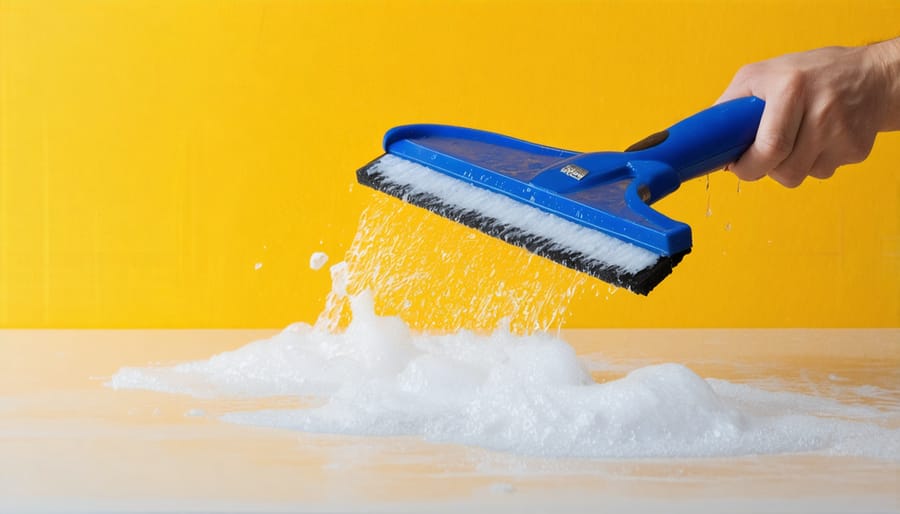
(823, 109)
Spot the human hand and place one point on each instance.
(823, 109)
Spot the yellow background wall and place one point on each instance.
(152, 152)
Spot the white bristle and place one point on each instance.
(564, 234)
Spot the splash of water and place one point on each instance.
(441, 276)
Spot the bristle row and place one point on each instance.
(641, 282)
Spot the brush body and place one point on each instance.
(587, 211)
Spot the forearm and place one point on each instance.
(887, 57)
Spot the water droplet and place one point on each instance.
(708, 199)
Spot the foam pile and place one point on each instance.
(526, 394)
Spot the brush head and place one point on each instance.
(545, 234)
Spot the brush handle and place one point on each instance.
(706, 141)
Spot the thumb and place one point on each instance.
(738, 88)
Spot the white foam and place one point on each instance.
(317, 260)
(523, 394)
(563, 234)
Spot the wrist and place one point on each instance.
(886, 59)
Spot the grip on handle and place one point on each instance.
(706, 141)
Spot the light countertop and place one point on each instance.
(70, 443)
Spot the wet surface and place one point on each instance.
(69, 443)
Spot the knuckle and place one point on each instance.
(747, 174)
(858, 151)
(788, 178)
(747, 70)
(748, 73)
(793, 83)
(774, 145)
(822, 172)
(790, 181)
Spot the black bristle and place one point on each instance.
(641, 282)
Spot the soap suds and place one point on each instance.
(317, 260)
(524, 394)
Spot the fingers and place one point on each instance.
(786, 146)
(777, 134)
(737, 89)
(796, 166)
(824, 167)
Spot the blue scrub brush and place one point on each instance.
(587, 211)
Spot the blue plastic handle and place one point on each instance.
(697, 145)
(708, 140)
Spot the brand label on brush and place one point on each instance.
(576, 172)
